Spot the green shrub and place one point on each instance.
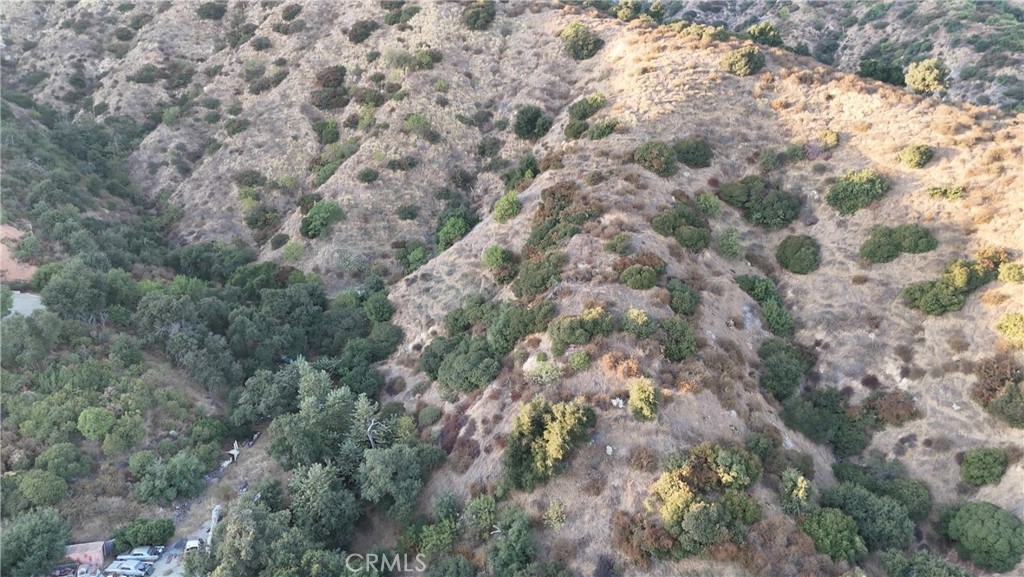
(407, 212)
(538, 274)
(708, 204)
(686, 222)
(678, 339)
(419, 125)
(171, 115)
(530, 123)
(835, 534)
(95, 422)
(783, 367)
(147, 74)
(693, 151)
(916, 155)
(643, 398)
(959, 279)
(332, 157)
(796, 493)
(799, 254)
(470, 365)
(361, 30)
(913, 494)
(765, 33)
(682, 299)
(263, 219)
(1011, 326)
(657, 157)
(543, 436)
(574, 129)
(507, 207)
(768, 160)
(580, 42)
(326, 131)
(927, 76)
(884, 244)
(990, 537)
(856, 190)
(1011, 272)
(544, 373)
(143, 532)
(501, 263)
(796, 151)
(212, 10)
(983, 466)
(290, 12)
(637, 322)
(479, 15)
(743, 61)
(524, 171)
(761, 202)
(729, 244)
(563, 209)
(829, 140)
(401, 15)
(823, 416)
(235, 125)
(586, 107)
(412, 254)
(579, 361)
(889, 72)
(639, 277)
(763, 291)
(579, 329)
(320, 218)
(619, 244)
(495, 256)
(955, 192)
(602, 128)
(278, 240)
(882, 522)
(367, 175)
(923, 564)
(452, 229)
(65, 461)
(934, 297)
(428, 415)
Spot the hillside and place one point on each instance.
(683, 263)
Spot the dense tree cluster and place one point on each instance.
(701, 499)
(479, 335)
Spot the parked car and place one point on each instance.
(148, 554)
(194, 545)
(129, 569)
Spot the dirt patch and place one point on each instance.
(12, 270)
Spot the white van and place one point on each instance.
(148, 554)
(129, 569)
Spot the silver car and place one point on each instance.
(148, 554)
